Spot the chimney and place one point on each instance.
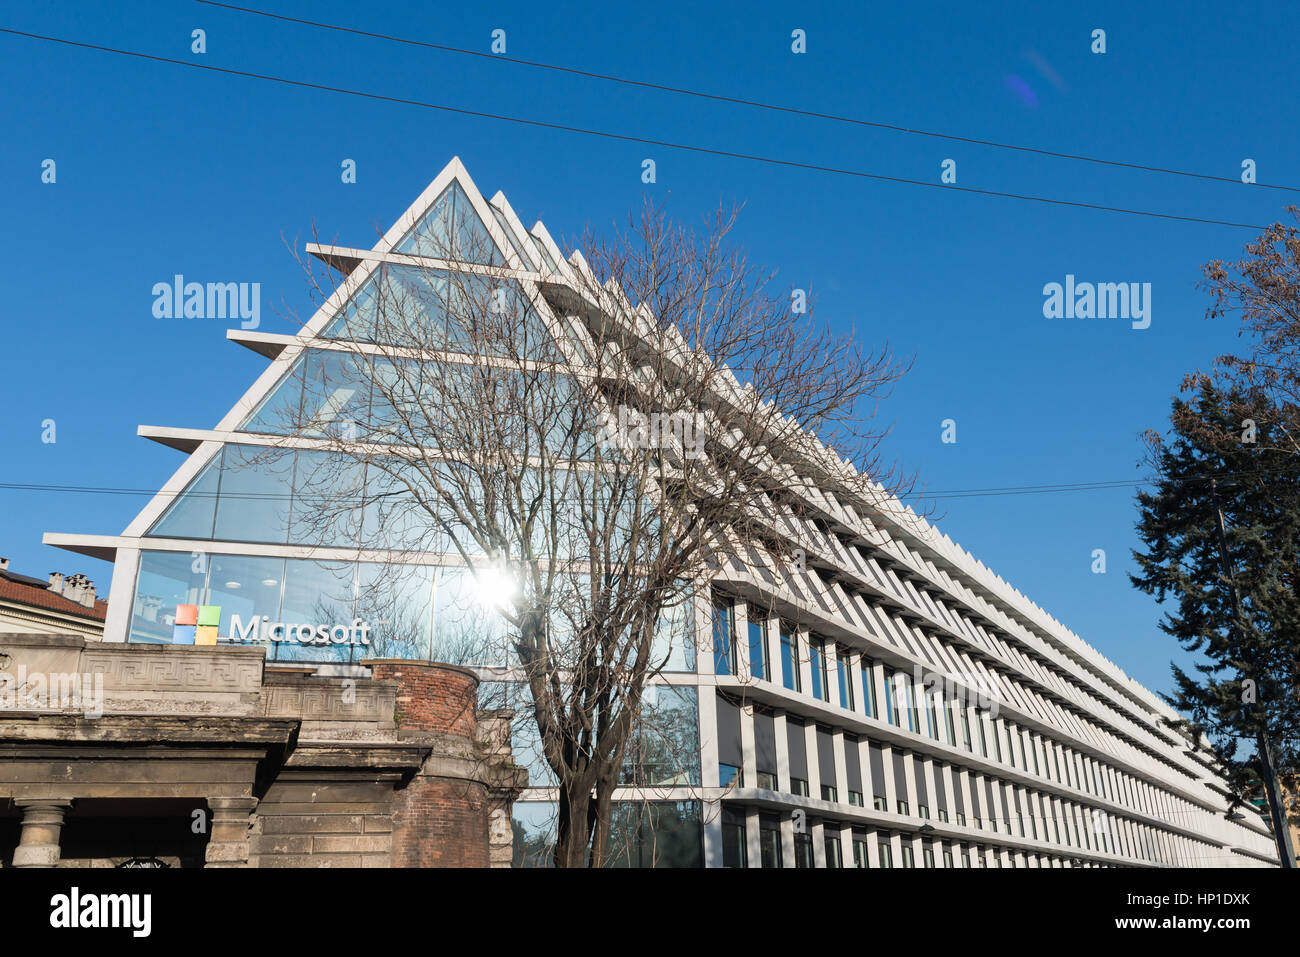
(4, 564)
(56, 583)
(80, 589)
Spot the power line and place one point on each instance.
(628, 138)
(739, 101)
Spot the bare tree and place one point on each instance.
(585, 444)
(1262, 290)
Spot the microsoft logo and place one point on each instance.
(196, 624)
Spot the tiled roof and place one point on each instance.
(18, 588)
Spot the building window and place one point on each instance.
(984, 744)
(947, 858)
(803, 852)
(965, 859)
(817, 668)
(923, 810)
(891, 701)
(833, 852)
(757, 645)
(900, 704)
(885, 854)
(859, 852)
(790, 658)
(767, 781)
(927, 857)
(952, 728)
(965, 727)
(902, 806)
(868, 687)
(943, 815)
(907, 854)
(729, 774)
(829, 793)
(855, 798)
(845, 680)
(799, 786)
(879, 803)
(961, 818)
(734, 850)
(724, 637)
(932, 717)
(769, 843)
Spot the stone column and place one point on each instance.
(42, 824)
(228, 838)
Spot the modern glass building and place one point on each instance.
(891, 703)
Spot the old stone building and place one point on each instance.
(168, 755)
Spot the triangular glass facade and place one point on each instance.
(239, 538)
(451, 230)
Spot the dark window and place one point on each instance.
(855, 798)
(877, 759)
(767, 781)
(769, 841)
(799, 786)
(852, 766)
(765, 745)
(734, 850)
(829, 794)
(797, 751)
(833, 852)
(803, 851)
(729, 746)
(885, 854)
(859, 852)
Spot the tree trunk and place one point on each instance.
(600, 843)
(573, 828)
(1277, 809)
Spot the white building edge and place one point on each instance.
(1079, 770)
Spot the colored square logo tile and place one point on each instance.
(205, 635)
(209, 615)
(183, 634)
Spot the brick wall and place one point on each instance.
(432, 697)
(440, 819)
(440, 822)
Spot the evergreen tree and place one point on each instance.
(1245, 694)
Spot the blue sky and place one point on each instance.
(164, 170)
